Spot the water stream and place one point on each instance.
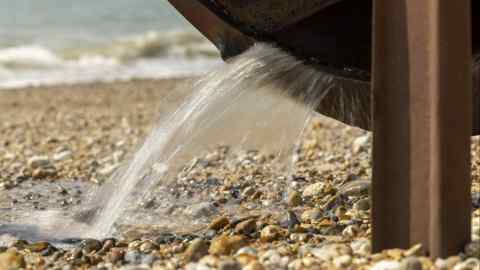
(239, 113)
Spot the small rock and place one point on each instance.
(43, 172)
(37, 247)
(311, 215)
(343, 261)
(91, 245)
(229, 265)
(225, 245)
(11, 260)
(469, 264)
(386, 265)
(196, 250)
(362, 205)
(61, 156)
(356, 188)
(115, 255)
(39, 162)
(254, 266)
(416, 250)
(361, 247)
(246, 227)
(351, 231)
(218, 223)
(360, 143)
(271, 233)
(148, 246)
(133, 257)
(411, 263)
(473, 249)
(108, 170)
(294, 199)
(247, 250)
(290, 220)
(329, 252)
(314, 190)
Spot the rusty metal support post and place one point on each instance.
(422, 109)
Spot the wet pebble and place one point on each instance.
(246, 227)
(91, 245)
(313, 190)
(218, 223)
(294, 199)
(311, 215)
(290, 220)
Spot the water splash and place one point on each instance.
(246, 104)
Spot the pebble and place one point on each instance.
(469, 264)
(91, 245)
(360, 143)
(361, 247)
(313, 190)
(411, 263)
(229, 265)
(37, 247)
(386, 265)
(362, 205)
(133, 257)
(254, 266)
(196, 250)
(342, 261)
(39, 162)
(329, 252)
(294, 199)
(271, 233)
(11, 260)
(246, 227)
(218, 223)
(61, 156)
(225, 245)
(311, 215)
(115, 255)
(355, 188)
(148, 246)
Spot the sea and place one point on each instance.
(45, 42)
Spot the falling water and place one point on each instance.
(246, 104)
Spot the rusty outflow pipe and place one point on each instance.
(335, 36)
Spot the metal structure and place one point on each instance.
(422, 95)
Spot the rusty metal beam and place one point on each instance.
(422, 124)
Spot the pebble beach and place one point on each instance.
(56, 140)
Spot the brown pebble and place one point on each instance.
(225, 245)
(196, 250)
(11, 260)
(271, 233)
(246, 227)
(115, 255)
(219, 223)
(294, 199)
(37, 247)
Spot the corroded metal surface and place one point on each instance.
(422, 125)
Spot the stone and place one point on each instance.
(115, 255)
(271, 233)
(386, 265)
(11, 260)
(469, 264)
(148, 246)
(44, 172)
(361, 247)
(218, 223)
(39, 162)
(362, 205)
(351, 231)
(411, 263)
(360, 143)
(290, 220)
(473, 249)
(355, 188)
(91, 245)
(294, 199)
(329, 252)
(311, 215)
(37, 247)
(254, 266)
(229, 265)
(342, 261)
(133, 257)
(246, 227)
(312, 190)
(225, 245)
(61, 156)
(247, 250)
(196, 250)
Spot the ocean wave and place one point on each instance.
(180, 45)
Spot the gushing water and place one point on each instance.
(252, 102)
